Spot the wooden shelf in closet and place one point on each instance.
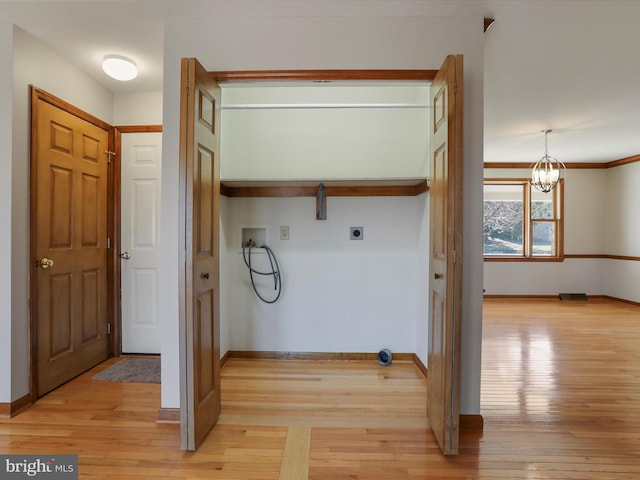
(332, 188)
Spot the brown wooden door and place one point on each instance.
(199, 210)
(443, 384)
(69, 236)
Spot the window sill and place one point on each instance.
(523, 259)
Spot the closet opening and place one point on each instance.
(366, 142)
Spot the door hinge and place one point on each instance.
(108, 329)
(454, 257)
(108, 242)
(455, 88)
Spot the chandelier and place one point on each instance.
(547, 171)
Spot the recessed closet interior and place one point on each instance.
(339, 294)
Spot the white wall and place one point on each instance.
(137, 108)
(575, 275)
(622, 232)
(621, 226)
(325, 143)
(6, 291)
(601, 218)
(33, 64)
(621, 279)
(584, 216)
(275, 144)
(339, 295)
(416, 42)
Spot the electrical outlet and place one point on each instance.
(356, 233)
(284, 233)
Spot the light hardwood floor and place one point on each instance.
(560, 400)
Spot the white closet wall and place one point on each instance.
(325, 132)
(339, 295)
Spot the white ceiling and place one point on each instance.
(568, 65)
(571, 66)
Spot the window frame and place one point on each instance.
(528, 221)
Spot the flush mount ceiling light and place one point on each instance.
(119, 67)
(547, 172)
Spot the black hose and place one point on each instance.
(275, 270)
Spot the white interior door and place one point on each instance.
(140, 217)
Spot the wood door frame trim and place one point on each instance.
(68, 107)
(139, 128)
(114, 209)
(115, 203)
(569, 165)
(35, 95)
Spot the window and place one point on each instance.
(521, 223)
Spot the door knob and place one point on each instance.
(125, 255)
(205, 275)
(438, 275)
(45, 263)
